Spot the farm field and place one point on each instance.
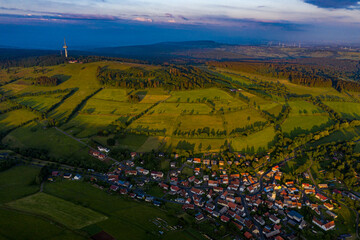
(127, 219)
(57, 144)
(339, 136)
(257, 142)
(242, 118)
(106, 107)
(12, 221)
(86, 125)
(40, 103)
(112, 94)
(67, 213)
(195, 144)
(5, 105)
(154, 122)
(305, 117)
(199, 95)
(295, 125)
(194, 122)
(15, 118)
(13, 187)
(348, 110)
(177, 108)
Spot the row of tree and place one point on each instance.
(170, 78)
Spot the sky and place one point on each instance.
(103, 23)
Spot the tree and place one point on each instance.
(110, 141)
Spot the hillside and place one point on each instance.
(230, 110)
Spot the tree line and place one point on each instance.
(169, 78)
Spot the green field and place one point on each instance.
(195, 144)
(191, 122)
(242, 118)
(305, 117)
(42, 102)
(118, 95)
(57, 144)
(348, 110)
(198, 95)
(256, 142)
(64, 212)
(339, 136)
(15, 118)
(127, 219)
(5, 105)
(186, 108)
(154, 121)
(18, 182)
(15, 225)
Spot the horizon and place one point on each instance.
(85, 24)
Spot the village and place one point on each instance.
(262, 205)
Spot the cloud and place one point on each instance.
(142, 19)
(183, 18)
(169, 15)
(336, 4)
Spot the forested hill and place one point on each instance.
(342, 76)
(171, 78)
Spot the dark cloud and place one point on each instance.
(183, 18)
(169, 15)
(333, 3)
(254, 23)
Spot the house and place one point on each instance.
(331, 214)
(173, 164)
(196, 191)
(206, 162)
(272, 233)
(324, 226)
(123, 191)
(206, 177)
(247, 235)
(260, 220)
(157, 174)
(54, 173)
(174, 188)
(323, 185)
(114, 188)
(133, 155)
(212, 183)
(295, 215)
(77, 177)
(321, 197)
(130, 172)
(197, 160)
(191, 179)
(199, 216)
(274, 219)
(224, 219)
(329, 206)
(67, 175)
(103, 149)
(240, 227)
(164, 186)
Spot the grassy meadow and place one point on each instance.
(305, 117)
(150, 123)
(67, 213)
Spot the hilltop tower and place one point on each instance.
(65, 49)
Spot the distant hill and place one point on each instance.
(164, 50)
